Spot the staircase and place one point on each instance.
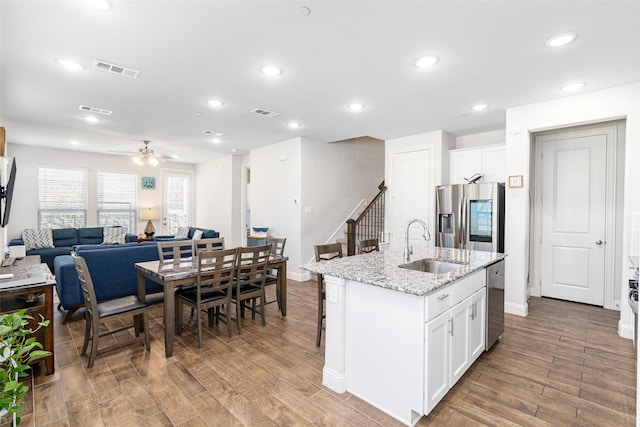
(367, 225)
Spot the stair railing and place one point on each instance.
(369, 224)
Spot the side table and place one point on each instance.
(10, 299)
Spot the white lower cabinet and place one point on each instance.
(455, 338)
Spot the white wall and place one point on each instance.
(597, 106)
(25, 204)
(336, 176)
(218, 198)
(439, 142)
(276, 188)
(481, 139)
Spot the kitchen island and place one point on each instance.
(398, 338)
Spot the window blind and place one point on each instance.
(62, 197)
(117, 200)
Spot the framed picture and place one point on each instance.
(148, 183)
(515, 181)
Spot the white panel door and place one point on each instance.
(477, 324)
(460, 340)
(412, 191)
(437, 363)
(573, 218)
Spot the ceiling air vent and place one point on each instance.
(95, 110)
(107, 66)
(265, 113)
(212, 132)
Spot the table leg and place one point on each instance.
(48, 333)
(282, 285)
(169, 319)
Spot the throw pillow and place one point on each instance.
(182, 233)
(111, 235)
(197, 234)
(37, 239)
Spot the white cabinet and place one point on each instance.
(437, 360)
(490, 161)
(455, 337)
(477, 323)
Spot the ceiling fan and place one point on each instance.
(144, 155)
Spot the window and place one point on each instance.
(117, 196)
(177, 200)
(62, 197)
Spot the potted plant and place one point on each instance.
(18, 348)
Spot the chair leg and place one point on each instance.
(95, 338)
(145, 326)
(253, 308)
(320, 312)
(199, 320)
(228, 322)
(239, 304)
(179, 313)
(264, 321)
(87, 334)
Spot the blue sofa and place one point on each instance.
(112, 270)
(206, 234)
(64, 239)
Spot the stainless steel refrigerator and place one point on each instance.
(470, 216)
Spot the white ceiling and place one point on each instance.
(188, 51)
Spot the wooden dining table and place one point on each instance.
(174, 274)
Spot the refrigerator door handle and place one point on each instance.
(461, 226)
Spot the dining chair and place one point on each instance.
(168, 251)
(99, 313)
(277, 249)
(368, 245)
(211, 244)
(324, 253)
(251, 269)
(212, 291)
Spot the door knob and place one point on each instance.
(598, 242)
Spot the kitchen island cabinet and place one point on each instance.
(398, 338)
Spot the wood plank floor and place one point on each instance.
(564, 364)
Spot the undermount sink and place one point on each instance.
(432, 266)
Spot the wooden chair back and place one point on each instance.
(277, 245)
(368, 245)
(174, 250)
(208, 245)
(328, 251)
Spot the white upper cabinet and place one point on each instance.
(490, 161)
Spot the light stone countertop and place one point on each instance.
(381, 268)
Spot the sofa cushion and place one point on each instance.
(103, 246)
(114, 235)
(206, 233)
(182, 233)
(37, 239)
(90, 236)
(47, 255)
(65, 236)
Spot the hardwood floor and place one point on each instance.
(564, 364)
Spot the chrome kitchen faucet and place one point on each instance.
(408, 250)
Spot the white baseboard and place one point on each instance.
(517, 309)
(334, 380)
(302, 276)
(625, 330)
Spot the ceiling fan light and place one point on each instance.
(153, 161)
(138, 160)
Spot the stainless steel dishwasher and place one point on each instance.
(495, 303)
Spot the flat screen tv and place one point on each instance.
(6, 193)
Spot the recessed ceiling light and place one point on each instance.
(561, 40)
(233, 150)
(91, 119)
(74, 142)
(480, 107)
(294, 125)
(216, 140)
(304, 11)
(199, 113)
(356, 106)
(426, 61)
(175, 156)
(572, 87)
(214, 102)
(270, 70)
(98, 4)
(70, 65)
